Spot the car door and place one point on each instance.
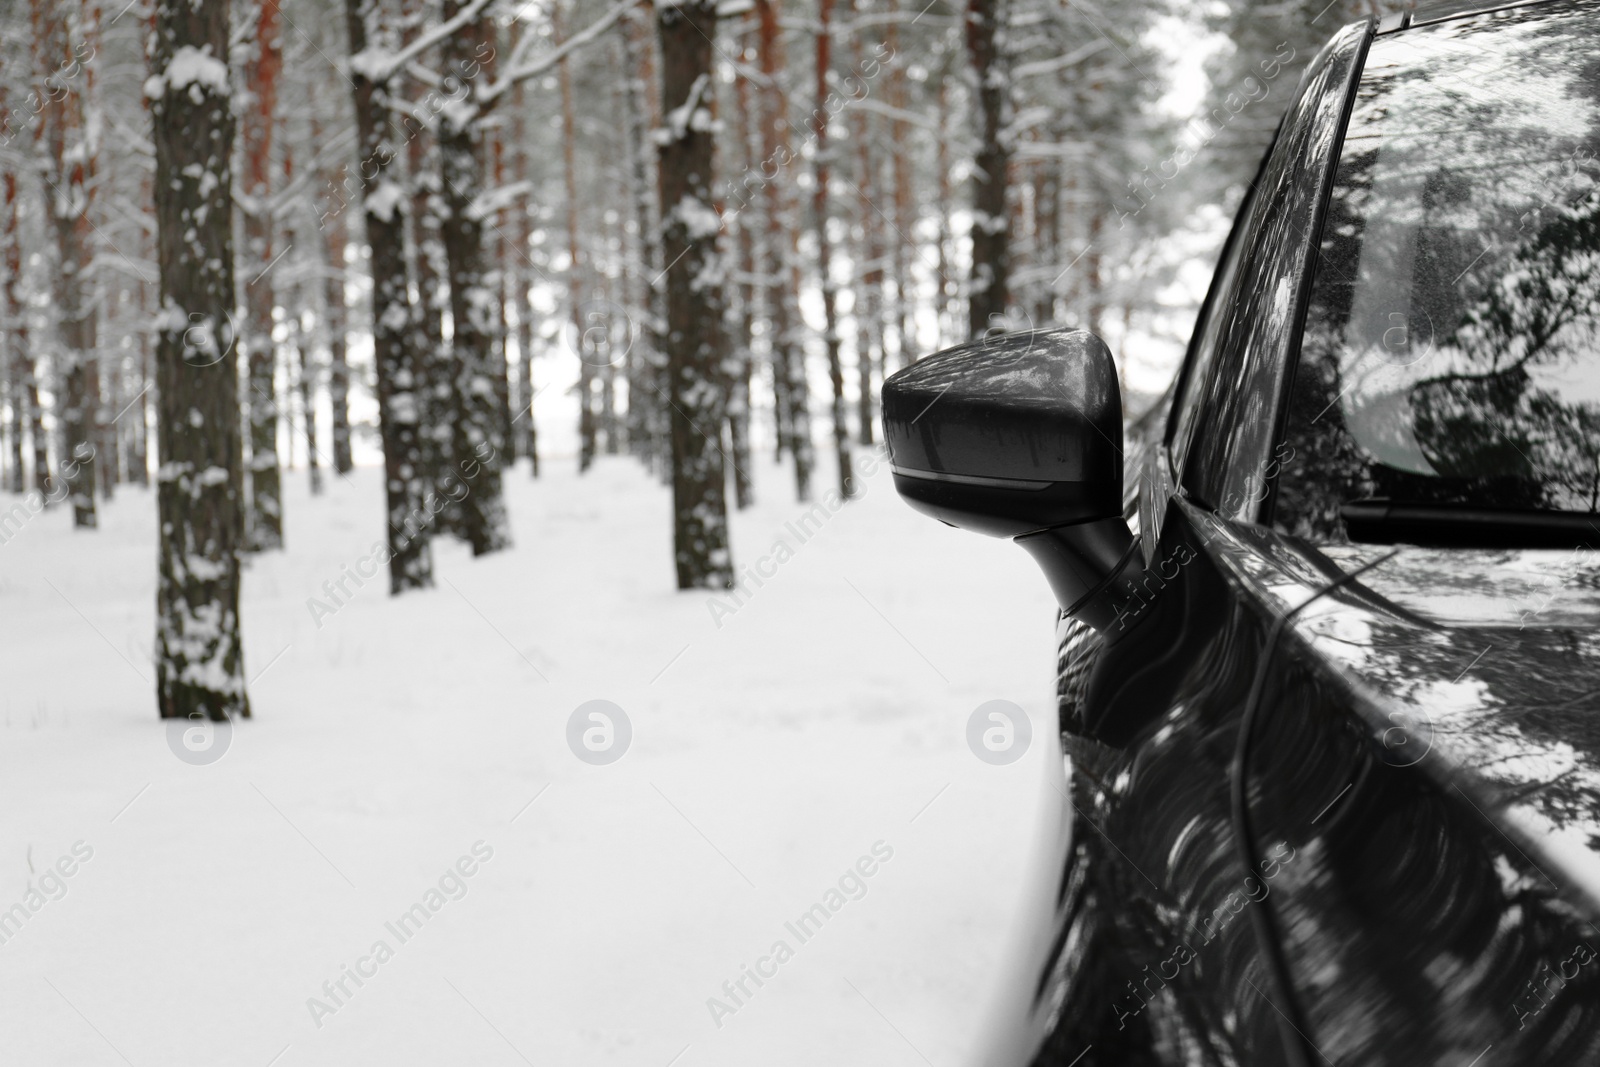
(1160, 957)
(1424, 739)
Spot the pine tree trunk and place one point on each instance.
(689, 228)
(830, 287)
(744, 318)
(949, 292)
(434, 361)
(586, 356)
(641, 268)
(410, 554)
(869, 255)
(19, 364)
(790, 389)
(264, 517)
(496, 249)
(903, 313)
(37, 435)
(68, 194)
(647, 380)
(522, 278)
(336, 318)
(109, 455)
(199, 658)
(991, 256)
(478, 450)
(303, 363)
(1047, 231)
(137, 414)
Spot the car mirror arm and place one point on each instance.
(1094, 569)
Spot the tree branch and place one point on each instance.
(379, 66)
(524, 71)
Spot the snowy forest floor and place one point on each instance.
(769, 753)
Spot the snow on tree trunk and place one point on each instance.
(68, 193)
(474, 311)
(431, 268)
(868, 311)
(409, 520)
(199, 659)
(991, 254)
(689, 229)
(264, 515)
(819, 212)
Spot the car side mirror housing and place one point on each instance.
(1020, 436)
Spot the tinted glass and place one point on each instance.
(1451, 357)
(1257, 317)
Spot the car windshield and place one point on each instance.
(1451, 354)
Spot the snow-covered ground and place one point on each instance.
(825, 716)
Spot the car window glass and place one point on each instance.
(1451, 356)
(1229, 465)
(1207, 334)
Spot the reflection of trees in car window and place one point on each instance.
(1450, 352)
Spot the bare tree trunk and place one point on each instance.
(586, 357)
(264, 517)
(869, 283)
(790, 389)
(819, 212)
(303, 363)
(19, 363)
(431, 353)
(410, 553)
(991, 253)
(138, 409)
(740, 336)
(903, 314)
(948, 305)
(647, 379)
(1047, 230)
(694, 297)
(199, 658)
(478, 451)
(495, 250)
(522, 278)
(336, 317)
(69, 194)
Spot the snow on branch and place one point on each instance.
(687, 116)
(379, 65)
(493, 201)
(522, 69)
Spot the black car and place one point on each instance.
(1330, 638)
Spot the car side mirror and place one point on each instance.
(1020, 436)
